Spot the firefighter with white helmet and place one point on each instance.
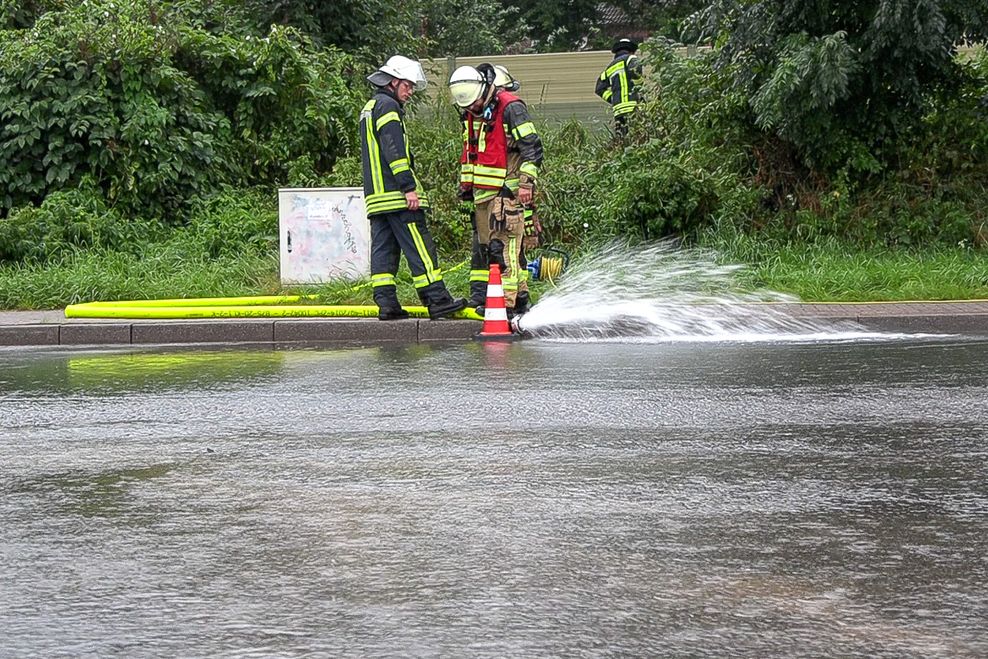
(394, 197)
(499, 165)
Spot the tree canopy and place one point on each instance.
(159, 110)
(844, 82)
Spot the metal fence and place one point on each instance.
(554, 85)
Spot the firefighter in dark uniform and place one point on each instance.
(499, 165)
(617, 84)
(394, 197)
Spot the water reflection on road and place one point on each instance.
(501, 500)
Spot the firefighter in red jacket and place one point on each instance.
(499, 166)
(533, 227)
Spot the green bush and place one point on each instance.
(157, 110)
(70, 221)
(234, 222)
(845, 84)
(89, 93)
(285, 100)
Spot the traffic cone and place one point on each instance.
(495, 314)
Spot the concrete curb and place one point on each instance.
(954, 317)
(33, 329)
(51, 328)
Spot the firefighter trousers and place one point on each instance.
(404, 232)
(503, 219)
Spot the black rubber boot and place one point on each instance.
(392, 313)
(478, 293)
(510, 311)
(446, 307)
(496, 251)
(521, 303)
(388, 306)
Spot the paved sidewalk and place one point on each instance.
(52, 328)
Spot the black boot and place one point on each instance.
(509, 310)
(392, 313)
(388, 306)
(521, 303)
(478, 290)
(446, 307)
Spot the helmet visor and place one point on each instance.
(465, 93)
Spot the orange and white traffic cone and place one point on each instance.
(495, 314)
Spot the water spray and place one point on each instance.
(659, 292)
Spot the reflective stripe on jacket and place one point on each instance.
(498, 150)
(386, 158)
(616, 84)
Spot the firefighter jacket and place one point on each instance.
(617, 83)
(388, 167)
(501, 149)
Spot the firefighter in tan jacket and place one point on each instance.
(499, 166)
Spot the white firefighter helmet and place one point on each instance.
(399, 67)
(466, 85)
(504, 79)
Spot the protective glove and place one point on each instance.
(498, 221)
(465, 193)
(533, 231)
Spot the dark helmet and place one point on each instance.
(488, 72)
(624, 45)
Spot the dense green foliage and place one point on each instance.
(141, 144)
(372, 29)
(563, 25)
(933, 192)
(158, 112)
(848, 84)
(368, 29)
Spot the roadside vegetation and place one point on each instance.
(142, 144)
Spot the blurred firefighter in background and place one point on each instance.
(617, 84)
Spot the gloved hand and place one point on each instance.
(533, 231)
(465, 193)
(499, 222)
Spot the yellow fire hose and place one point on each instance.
(264, 306)
(552, 267)
(269, 306)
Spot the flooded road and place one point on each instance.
(528, 499)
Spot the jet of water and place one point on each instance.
(657, 291)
